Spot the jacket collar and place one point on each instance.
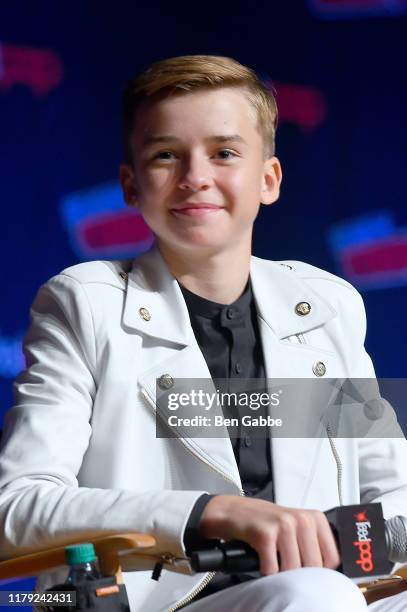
(152, 287)
(277, 290)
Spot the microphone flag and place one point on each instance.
(360, 533)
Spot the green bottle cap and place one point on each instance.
(80, 553)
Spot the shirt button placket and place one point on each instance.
(231, 313)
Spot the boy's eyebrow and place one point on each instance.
(158, 139)
(228, 138)
(164, 139)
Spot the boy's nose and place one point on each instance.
(195, 176)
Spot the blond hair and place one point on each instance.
(187, 73)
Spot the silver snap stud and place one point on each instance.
(144, 314)
(123, 275)
(303, 308)
(319, 368)
(166, 381)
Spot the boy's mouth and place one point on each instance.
(196, 209)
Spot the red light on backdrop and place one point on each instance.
(39, 69)
(299, 104)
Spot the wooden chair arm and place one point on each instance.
(402, 571)
(385, 587)
(107, 550)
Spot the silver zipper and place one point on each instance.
(339, 468)
(338, 461)
(208, 577)
(212, 467)
(186, 600)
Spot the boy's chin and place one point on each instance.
(193, 244)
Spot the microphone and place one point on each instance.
(367, 543)
(395, 530)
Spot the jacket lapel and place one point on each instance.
(186, 365)
(277, 290)
(151, 287)
(153, 292)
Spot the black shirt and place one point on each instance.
(229, 338)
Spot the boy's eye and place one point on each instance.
(226, 154)
(164, 155)
(223, 154)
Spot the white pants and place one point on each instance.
(302, 590)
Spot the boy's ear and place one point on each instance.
(127, 181)
(272, 176)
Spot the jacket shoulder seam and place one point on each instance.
(88, 303)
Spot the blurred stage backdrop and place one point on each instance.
(339, 71)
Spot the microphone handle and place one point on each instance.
(237, 556)
(228, 557)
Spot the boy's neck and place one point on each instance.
(219, 277)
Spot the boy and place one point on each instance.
(81, 452)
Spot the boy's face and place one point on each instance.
(199, 172)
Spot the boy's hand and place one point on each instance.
(300, 538)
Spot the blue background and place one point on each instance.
(67, 139)
(352, 163)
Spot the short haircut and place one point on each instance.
(188, 73)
